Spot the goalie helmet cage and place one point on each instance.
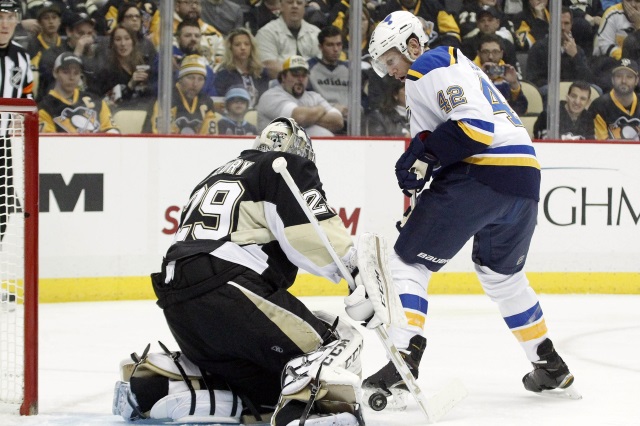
(18, 256)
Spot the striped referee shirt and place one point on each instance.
(16, 78)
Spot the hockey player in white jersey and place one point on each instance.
(486, 182)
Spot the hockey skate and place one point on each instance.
(551, 375)
(386, 389)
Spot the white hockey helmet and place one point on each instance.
(285, 135)
(394, 31)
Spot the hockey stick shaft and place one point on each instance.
(280, 166)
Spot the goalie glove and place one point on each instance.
(358, 306)
(415, 166)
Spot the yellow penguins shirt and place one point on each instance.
(474, 130)
(196, 117)
(612, 120)
(84, 113)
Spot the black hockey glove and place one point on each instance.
(415, 166)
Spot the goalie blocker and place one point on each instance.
(320, 388)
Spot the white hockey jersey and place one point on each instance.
(474, 130)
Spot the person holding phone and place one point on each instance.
(502, 75)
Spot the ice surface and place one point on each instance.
(81, 345)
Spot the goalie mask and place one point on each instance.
(393, 32)
(285, 135)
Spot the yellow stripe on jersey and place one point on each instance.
(475, 133)
(503, 161)
(415, 319)
(531, 332)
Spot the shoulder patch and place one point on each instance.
(440, 57)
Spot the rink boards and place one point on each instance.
(109, 206)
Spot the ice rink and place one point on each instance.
(81, 345)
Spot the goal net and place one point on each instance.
(18, 256)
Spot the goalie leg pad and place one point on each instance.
(325, 381)
(375, 274)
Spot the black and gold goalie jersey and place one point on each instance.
(244, 213)
(84, 113)
(612, 120)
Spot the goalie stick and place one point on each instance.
(433, 408)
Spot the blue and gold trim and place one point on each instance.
(527, 325)
(415, 309)
(440, 57)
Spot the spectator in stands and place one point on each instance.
(328, 75)
(390, 119)
(67, 109)
(188, 37)
(532, 24)
(224, 15)
(106, 14)
(587, 16)
(262, 13)
(241, 66)
(288, 35)
(192, 111)
(468, 17)
(574, 64)
(49, 18)
(367, 26)
(33, 9)
(617, 22)
(123, 75)
(488, 21)
(503, 75)
(290, 99)
(81, 40)
(576, 121)
(444, 24)
(232, 122)
(616, 115)
(211, 41)
(130, 17)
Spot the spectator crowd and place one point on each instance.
(237, 64)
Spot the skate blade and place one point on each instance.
(567, 393)
(379, 400)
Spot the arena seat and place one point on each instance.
(130, 121)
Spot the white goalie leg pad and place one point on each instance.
(177, 404)
(375, 274)
(329, 376)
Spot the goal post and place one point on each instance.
(18, 256)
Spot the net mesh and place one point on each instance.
(11, 262)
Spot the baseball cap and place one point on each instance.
(629, 64)
(9, 6)
(488, 10)
(75, 19)
(295, 62)
(65, 59)
(192, 64)
(237, 92)
(48, 6)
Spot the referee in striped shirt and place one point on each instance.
(16, 81)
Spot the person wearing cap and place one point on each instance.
(291, 99)
(489, 20)
(616, 114)
(67, 109)
(469, 14)
(574, 63)
(288, 35)
(49, 18)
(232, 122)
(192, 110)
(81, 41)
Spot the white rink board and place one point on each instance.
(147, 178)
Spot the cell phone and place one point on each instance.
(144, 68)
(496, 70)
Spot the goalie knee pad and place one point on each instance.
(325, 383)
(169, 386)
